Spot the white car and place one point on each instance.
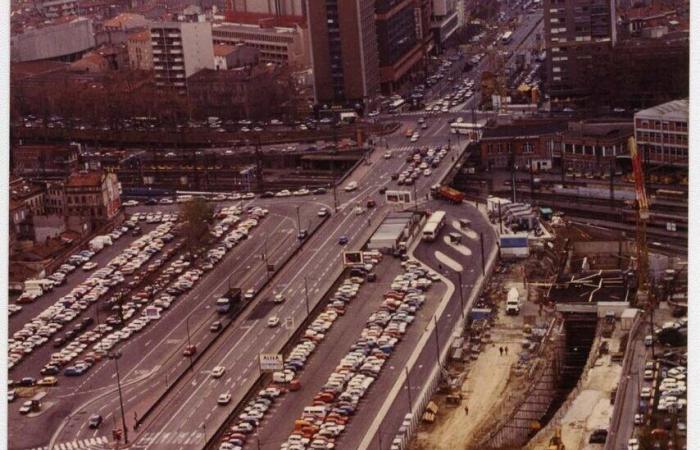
(130, 203)
(249, 294)
(279, 298)
(89, 266)
(218, 371)
(224, 399)
(351, 186)
(273, 321)
(283, 193)
(323, 212)
(633, 444)
(387, 155)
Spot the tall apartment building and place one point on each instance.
(662, 133)
(344, 50)
(579, 36)
(180, 49)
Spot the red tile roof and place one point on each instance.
(223, 50)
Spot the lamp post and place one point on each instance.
(115, 357)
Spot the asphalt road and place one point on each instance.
(471, 270)
(278, 423)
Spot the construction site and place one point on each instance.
(553, 372)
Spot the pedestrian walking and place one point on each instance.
(466, 410)
(439, 266)
(500, 349)
(506, 349)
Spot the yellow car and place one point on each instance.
(48, 381)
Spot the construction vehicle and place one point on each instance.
(555, 443)
(447, 193)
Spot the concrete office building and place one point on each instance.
(277, 44)
(66, 41)
(403, 27)
(344, 50)
(444, 20)
(57, 8)
(662, 133)
(180, 49)
(579, 36)
(271, 7)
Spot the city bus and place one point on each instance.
(507, 37)
(397, 106)
(471, 129)
(433, 226)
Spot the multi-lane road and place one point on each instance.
(152, 360)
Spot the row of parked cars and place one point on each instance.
(40, 329)
(103, 337)
(287, 379)
(322, 423)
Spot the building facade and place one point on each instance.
(271, 7)
(231, 56)
(65, 40)
(579, 37)
(344, 50)
(591, 147)
(57, 8)
(401, 30)
(140, 51)
(93, 195)
(277, 44)
(180, 49)
(662, 133)
(519, 145)
(445, 20)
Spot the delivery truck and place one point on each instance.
(447, 193)
(513, 302)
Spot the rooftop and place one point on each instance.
(84, 179)
(223, 49)
(591, 287)
(523, 129)
(673, 110)
(126, 21)
(265, 20)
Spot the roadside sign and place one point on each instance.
(271, 362)
(352, 258)
(398, 196)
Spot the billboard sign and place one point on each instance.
(352, 258)
(398, 196)
(271, 362)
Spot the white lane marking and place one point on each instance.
(459, 247)
(471, 234)
(449, 262)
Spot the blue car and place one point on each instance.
(343, 240)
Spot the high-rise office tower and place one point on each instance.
(343, 50)
(579, 38)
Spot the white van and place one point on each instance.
(513, 302)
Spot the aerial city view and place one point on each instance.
(347, 224)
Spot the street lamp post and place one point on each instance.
(115, 357)
(408, 387)
(189, 345)
(298, 220)
(461, 295)
(437, 341)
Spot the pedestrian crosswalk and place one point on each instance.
(97, 443)
(181, 438)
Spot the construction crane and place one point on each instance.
(645, 296)
(642, 217)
